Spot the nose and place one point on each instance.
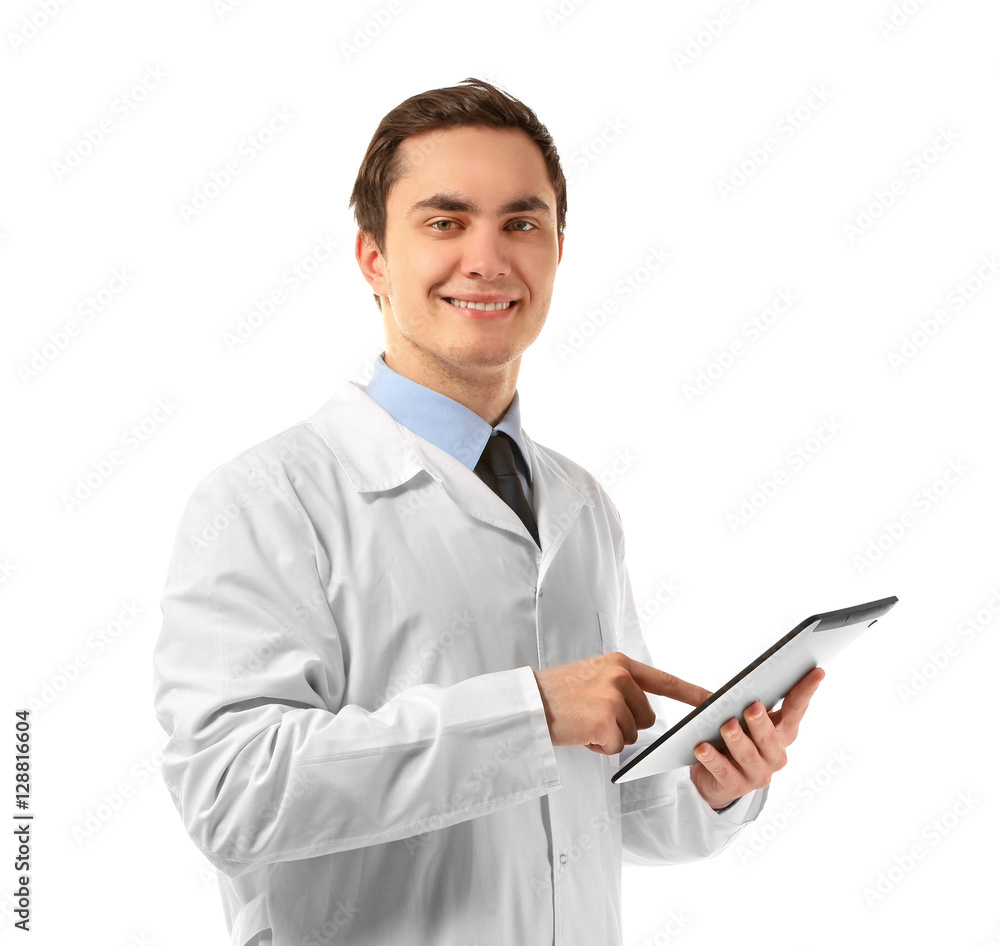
(484, 254)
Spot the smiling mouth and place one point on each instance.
(481, 306)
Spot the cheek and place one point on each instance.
(422, 274)
(540, 270)
(540, 288)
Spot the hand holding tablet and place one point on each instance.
(745, 756)
(767, 680)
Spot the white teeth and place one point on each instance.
(483, 306)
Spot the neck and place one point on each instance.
(487, 391)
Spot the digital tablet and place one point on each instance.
(767, 679)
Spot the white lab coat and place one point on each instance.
(355, 736)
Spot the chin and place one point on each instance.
(473, 355)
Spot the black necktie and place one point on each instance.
(496, 469)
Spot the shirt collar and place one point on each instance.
(446, 423)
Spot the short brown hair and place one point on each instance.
(472, 102)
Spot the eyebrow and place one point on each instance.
(457, 203)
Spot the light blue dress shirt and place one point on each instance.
(453, 427)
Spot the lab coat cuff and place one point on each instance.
(742, 811)
(529, 698)
(745, 808)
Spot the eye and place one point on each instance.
(434, 225)
(529, 225)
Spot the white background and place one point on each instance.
(651, 106)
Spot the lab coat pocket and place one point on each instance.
(609, 642)
(609, 633)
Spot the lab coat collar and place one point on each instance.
(377, 453)
(366, 440)
(453, 426)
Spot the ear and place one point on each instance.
(371, 262)
(562, 236)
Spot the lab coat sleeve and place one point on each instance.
(262, 760)
(664, 818)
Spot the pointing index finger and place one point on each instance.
(653, 680)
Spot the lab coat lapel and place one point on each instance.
(559, 496)
(466, 489)
(377, 453)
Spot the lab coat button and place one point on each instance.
(563, 858)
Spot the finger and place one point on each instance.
(609, 746)
(666, 684)
(810, 681)
(765, 736)
(744, 751)
(611, 733)
(720, 768)
(794, 705)
(633, 718)
(637, 712)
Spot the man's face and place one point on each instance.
(471, 219)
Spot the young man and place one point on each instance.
(397, 683)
